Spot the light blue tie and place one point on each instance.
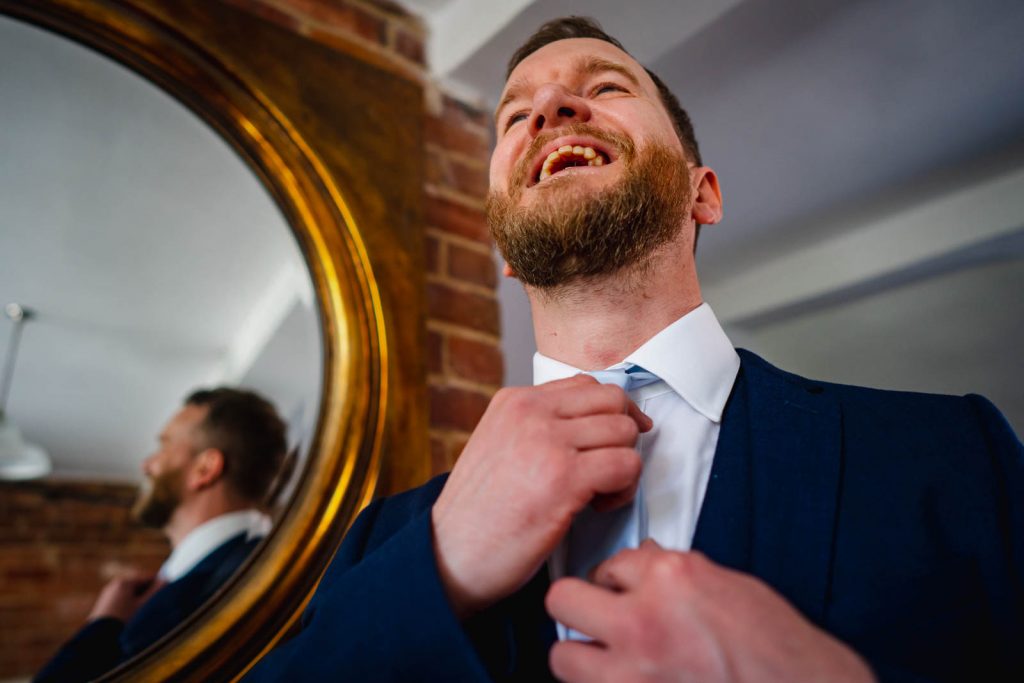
(596, 536)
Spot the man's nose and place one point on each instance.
(147, 463)
(555, 106)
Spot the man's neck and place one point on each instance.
(189, 516)
(594, 324)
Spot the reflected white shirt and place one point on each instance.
(697, 365)
(209, 536)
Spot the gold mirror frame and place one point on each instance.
(200, 52)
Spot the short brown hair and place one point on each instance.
(585, 27)
(246, 428)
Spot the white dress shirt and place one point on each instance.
(697, 365)
(209, 536)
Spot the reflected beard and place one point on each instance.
(158, 500)
(574, 235)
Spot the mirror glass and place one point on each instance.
(155, 263)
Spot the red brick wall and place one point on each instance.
(464, 361)
(59, 543)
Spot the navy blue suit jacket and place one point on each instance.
(892, 520)
(104, 643)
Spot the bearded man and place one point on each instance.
(660, 506)
(205, 486)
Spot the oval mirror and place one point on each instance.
(165, 247)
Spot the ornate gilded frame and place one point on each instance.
(320, 156)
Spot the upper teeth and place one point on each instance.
(588, 153)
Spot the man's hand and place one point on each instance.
(539, 455)
(124, 594)
(658, 615)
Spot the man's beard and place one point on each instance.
(572, 235)
(158, 501)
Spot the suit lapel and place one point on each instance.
(770, 508)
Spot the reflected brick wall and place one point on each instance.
(59, 543)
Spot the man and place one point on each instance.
(721, 521)
(210, 475)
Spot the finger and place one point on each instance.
(583, 607)
(597, 431)
(588, 397)
(574, 660)
(641, 418)
(609, 470)
(605, 502)
(625, 569)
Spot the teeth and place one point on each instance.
(588, 153)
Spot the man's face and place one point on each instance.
(588, 174)
(166, 469)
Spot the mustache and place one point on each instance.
(623, 145)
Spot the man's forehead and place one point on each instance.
(568, 57)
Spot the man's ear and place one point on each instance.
(507, 271)
(707, 201)
(207, 468)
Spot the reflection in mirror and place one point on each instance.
(156, 263)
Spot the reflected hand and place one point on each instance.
(124, 594)
(538, 456)
(658, 615)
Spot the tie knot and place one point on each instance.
(628, 377)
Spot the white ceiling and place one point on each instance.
(155, 260)
(871, 154)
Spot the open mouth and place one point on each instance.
(570, 156)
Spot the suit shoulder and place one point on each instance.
(938, 416)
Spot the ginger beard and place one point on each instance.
(158, 498)
(570, 234)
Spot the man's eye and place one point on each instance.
(608, 87)
(515, 118)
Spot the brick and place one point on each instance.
(467, 178)
(458, 219)
(438, 456)
(435, 349)
(472, 266)
(409, 46)
(433, 255)
(476, 361)
(475, 311)
(272, 14)
(456, 137)
(462, 113)
(348, 18)
(452, 408)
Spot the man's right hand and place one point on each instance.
(124, 594)
(538, 456)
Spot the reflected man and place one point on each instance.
(710, 517)
(205, 486)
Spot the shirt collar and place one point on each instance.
(210, 535)
(693, 355)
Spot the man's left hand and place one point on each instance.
(124, 594)
(659, 615)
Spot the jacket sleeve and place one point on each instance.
(380, 612)
(93, 651)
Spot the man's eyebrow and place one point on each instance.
(596, 65)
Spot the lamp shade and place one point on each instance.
(19, 459)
